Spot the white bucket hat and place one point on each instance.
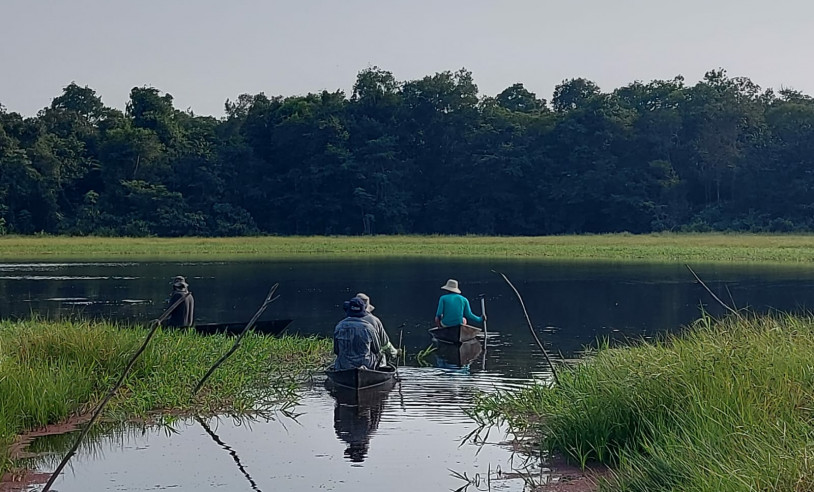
(366, 298)
(452, 286)
(180, 282)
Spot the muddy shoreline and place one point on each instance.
(20, 478)
(566, 477)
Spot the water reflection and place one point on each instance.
(456, 355)
(357, 414)
(231, 451)
(415, 427)
(340, 442)
(571, 304)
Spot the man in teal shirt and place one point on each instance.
(453, 308)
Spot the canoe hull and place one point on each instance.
(361, 378)
(268, 327)
(456, 334)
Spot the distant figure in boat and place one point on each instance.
(184, 314)
(453, 308)
(387, 348)
(355, 341)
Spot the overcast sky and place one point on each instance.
(206, 51)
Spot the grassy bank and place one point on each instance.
(651, 247)
(50, 371)
(729, 406)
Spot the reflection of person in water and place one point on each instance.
(356, 418)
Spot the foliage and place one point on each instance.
(426, 156)
(726, 406)
(53, 370)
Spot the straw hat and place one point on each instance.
(366, 298)
(452, 286)
(179, 282)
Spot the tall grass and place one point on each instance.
(662, 247)
(50, 371)
(727, 406)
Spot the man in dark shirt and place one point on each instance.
(183, 314)
(355, 340)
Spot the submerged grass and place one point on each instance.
(727, 406)
(662, 247)
(53, 370)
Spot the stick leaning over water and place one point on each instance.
(101, 406)
(485, 333)
(269, 299)
(722, 303)
(398, 350)
(531, 328)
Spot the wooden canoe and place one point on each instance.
(362, 377)
(268, 327)
(366, 397)
(456, 334)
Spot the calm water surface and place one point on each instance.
(406, 439)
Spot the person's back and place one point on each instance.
(355, 340)
(184, 314)
(453, 308)
(387, 348)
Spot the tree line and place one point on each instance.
(427, 156)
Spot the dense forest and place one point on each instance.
(428, 156)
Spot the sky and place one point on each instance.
(204, 52)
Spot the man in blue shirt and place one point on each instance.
(453, 308)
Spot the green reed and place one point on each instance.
(726, 406)
(53, 370)
(660, 247)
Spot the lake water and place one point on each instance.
(411, 437)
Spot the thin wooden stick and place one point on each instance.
(112, 392)
(722, 303)
(269, 299)
(531, 328)
(398, 350)
(485, 332)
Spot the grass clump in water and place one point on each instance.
(53, 370)
(726, 406)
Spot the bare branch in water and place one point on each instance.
(531, 328)
(112, 392)
(722, 303)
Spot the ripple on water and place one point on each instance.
(443, 394)
(65, 277)
(51, 266)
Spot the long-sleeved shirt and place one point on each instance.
(452, 308)
(184, 314)
(355, 344)
(384, 341)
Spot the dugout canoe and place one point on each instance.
(267, 327)
(456, 334)
(361, 378)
